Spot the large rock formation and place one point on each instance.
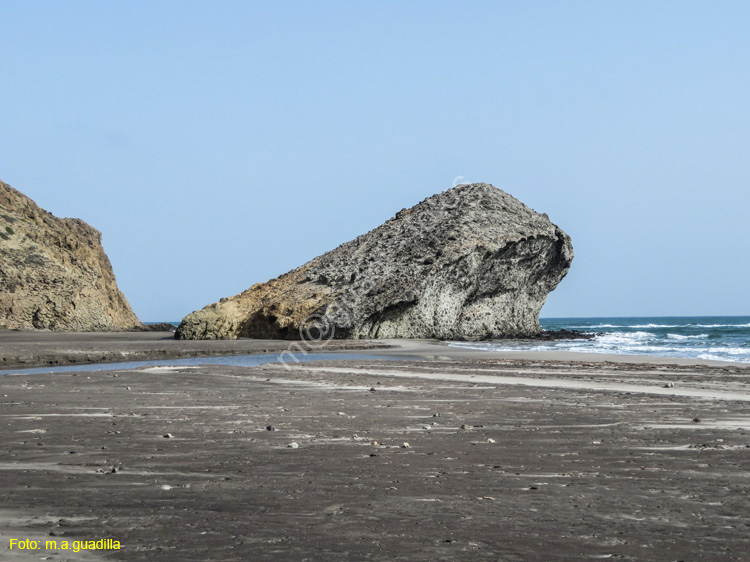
(469, 263)
(54, 273)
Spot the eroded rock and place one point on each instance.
(54, 274)
(469, 263)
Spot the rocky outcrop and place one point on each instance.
(469, 263)
(54, 273)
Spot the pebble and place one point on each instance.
(340, 413)
(696, 420)
(372, 389)
(166, 487)
(405, 446)
(168, 436)
(669, 385)
(464, 426)
(293, 445)
(270, 428)
(491, 441)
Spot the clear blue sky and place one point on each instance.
(219, 144)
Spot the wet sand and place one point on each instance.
(19, 349)
(31, 349)
(521, 458)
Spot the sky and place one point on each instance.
(220, 144)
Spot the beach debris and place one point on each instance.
(270, 428)
(340, 413)
(490, 440)
(669, 385)
(165, 487)
(168, 436)
(293, 445)
(696, 419)
(464, 426)
(405, 446)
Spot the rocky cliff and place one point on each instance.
(469, 263)
(54, 273)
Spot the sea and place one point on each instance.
(721, 338)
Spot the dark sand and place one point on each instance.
(30, 349)
(559, 459)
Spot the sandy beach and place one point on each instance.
(450, 454)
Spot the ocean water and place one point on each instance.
(722, 338)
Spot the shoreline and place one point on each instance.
(29, 349)
(26, 349)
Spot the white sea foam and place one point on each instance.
(712, 357)
(682, 338)
(719, 325)
(695, 337)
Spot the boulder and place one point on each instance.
(469, 263)
(54, 274)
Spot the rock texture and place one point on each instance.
(54, 273)
(469, 263)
